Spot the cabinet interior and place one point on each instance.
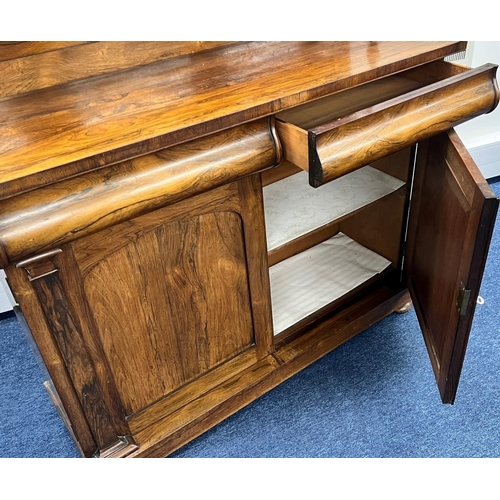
(327, 244)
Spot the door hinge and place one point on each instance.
(463, 299)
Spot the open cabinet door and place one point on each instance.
(452, 216)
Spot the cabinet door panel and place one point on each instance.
(172, 305)
(451, 220)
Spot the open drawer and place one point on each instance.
(339, 133)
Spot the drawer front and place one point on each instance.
(341, 145)
(53, 215)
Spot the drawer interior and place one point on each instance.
(335, 106)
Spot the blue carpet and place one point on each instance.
(375, 396)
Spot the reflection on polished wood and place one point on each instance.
(47, 64)
(404, 308)
(333, 136)
(96, 121)
(54, 215)
(133, 229)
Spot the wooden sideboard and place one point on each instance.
(185, 225)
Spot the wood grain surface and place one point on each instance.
(451, 222)
(133, 232)
(347, 143)
(29, 66)
(89, 123)
(182, 289)
(74, 208)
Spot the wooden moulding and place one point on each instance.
(416, 116)
(46, 343)
(166, 435)
(38, 221)
(354, 137)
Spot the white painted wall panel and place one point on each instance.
(7, 301)
(482, 135)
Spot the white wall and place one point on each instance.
(7, 301)
(482, 135)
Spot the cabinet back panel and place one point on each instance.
(397, 164)
(378, 227)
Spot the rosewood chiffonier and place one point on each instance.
(185, 225)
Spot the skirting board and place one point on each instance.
(4, 302)
(487, 158)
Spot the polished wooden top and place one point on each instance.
(74, 115)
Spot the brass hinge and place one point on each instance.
(463, 299)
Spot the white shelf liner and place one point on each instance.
(312, 279)
(293, 208)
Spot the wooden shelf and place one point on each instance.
(293, 208)
(310, 280)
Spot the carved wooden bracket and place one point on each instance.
(119, 449)
(41, 265)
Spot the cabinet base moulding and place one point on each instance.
(165, 436)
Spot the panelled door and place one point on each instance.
(451, 220)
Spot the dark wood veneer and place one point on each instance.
(132, 222)
(98, 121)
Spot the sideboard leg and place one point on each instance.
(404, 308)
